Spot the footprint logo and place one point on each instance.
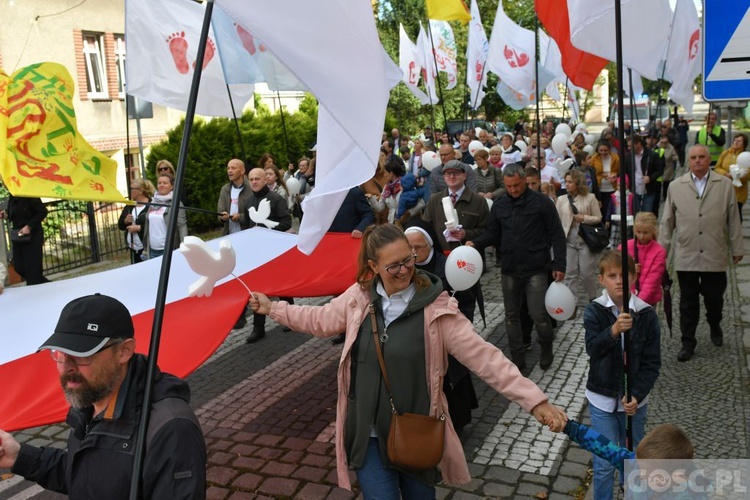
(178, 47)
(209, 54)
(248, 41)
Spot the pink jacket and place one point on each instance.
(447, 331)
(653, 260)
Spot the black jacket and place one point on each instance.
(524, 229)
(355, 213)
(138, 221)
(606, 370)
(279, 208)
(652, 165)
(99, 459)
(26, 211)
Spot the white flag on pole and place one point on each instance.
(644, 31)
(348, 79)
(426, 61)
(683, 63)
(551, 59)
(407, 61)
(162, 44)
(476, 58)
(445, 50)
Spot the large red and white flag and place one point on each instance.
(683, 63)
(410, 68)
(645, 31)
(444, 46)
(335, 52)
(476, 58)
(582, 68)
(426, 60)
(193, 328)
(162, 43)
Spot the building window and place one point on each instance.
(93, 54)
(120, 64)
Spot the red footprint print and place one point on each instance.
(209, 54)
(178, 47)
(248, 41)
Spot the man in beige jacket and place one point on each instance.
(699, 212)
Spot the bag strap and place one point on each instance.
(379, 350)
(572, 207)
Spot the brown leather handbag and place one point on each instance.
(415, 442)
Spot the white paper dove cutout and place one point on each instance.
(261, 215)
(209, 264)
(563, 165)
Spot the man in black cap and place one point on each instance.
(103, 380)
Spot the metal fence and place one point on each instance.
(77, 234)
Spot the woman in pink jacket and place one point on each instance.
(651, 259)
(419, 325)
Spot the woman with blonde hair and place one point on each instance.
(650, 257)
(576, 208)
(406, 312)
(155, 232)
(133, 218)
(606, 164)
(727, 159)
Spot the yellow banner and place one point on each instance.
(448, 10)
(42, 154)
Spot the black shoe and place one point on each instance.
(717, 336)
(546, 358)
(241, 322)
(684, 355)
(520, 362)
(338, 339)
(258, 333)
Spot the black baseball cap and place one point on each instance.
(87, 323)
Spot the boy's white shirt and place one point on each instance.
(602, 402)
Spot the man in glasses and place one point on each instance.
(437, 181)
(103, 379)
(473, 212)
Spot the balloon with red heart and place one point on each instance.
(560, 301)
(463, 268)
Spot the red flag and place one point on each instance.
(193, 328)
(581, 67)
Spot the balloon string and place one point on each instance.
(243, 284)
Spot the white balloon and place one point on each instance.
(293, 185)
(564, 129)
(589, 149)
(476, 130)
(475, 146)
(581, 127)
(430, 160)
(463, 268)
(589, 138)
(521, 145)
(560, 301)
(559, 143)
(743, 160)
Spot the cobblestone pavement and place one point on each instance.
(267, 410)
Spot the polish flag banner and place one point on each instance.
(582, 68)
(476, 58)
(162, 39)
(193, 328)
(410, 68)
(426, 61)
(645, 31)
(444, 46)
(684, 54)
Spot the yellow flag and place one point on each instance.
(448, 10)
(42, 154)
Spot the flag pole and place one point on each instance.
(664, 68)
(536, 89)
(567, 99)
(283, 126)
(236, 124)
(166, 263)
(623, 221)
(437, 77)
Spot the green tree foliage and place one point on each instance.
(404, 110)
(213, 143)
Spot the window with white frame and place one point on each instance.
(120, 64)
(96, 75)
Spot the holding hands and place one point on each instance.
(551, 416)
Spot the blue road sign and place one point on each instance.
(726, 50)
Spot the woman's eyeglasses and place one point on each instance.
(408, 263)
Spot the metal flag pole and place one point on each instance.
(623, 221)
(166, 263)
(539, 165)
(283, 127)
(236, 124)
